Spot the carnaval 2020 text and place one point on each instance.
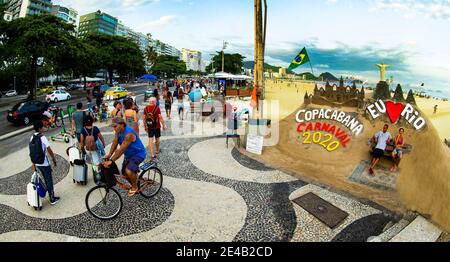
(345, 119)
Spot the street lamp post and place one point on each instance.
(14, 83)
(225, 44)
(213, 68)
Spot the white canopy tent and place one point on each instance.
(223, 75)
(88, 79)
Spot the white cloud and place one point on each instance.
(439, 9)
(162, 21)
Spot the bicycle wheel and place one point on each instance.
(58, 121)
(150, 182)
(104, 203)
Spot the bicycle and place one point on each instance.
(105, 203)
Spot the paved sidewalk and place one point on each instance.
(210, 193)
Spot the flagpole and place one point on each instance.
(311, 68)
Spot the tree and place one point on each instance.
(151, 56)
(169, 66)
(33, 37)
(116, 53)
(233, 63)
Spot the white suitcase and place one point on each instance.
(33, 198)
(80, 170)
(74, 154)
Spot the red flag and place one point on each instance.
(254, 102)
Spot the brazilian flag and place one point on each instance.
(300, 59)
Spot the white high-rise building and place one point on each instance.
(193, 59)
(23, 8)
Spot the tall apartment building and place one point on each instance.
(192, 58)
(97, 22)
(23, 8)
(162, 48)
(69, 15)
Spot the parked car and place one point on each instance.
(58, 95)
(61, 88)
(11, 93)
(116, 93)
(25, 112)
(75, 86)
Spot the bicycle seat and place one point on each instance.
(147, 166)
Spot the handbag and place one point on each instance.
(40, 187)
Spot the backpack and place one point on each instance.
(89, 141)
(37, 155)
(151, 118)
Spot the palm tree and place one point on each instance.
(151, 56)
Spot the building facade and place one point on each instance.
(162, 48)
(23, 8)
(69, 15)
(193, 59)
(97, 22)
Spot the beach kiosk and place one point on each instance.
(234, 85)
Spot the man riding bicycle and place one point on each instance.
(132, 147)
(50, 112)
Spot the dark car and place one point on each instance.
(25, 112)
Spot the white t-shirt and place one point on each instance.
(383, 139)
(45, 145)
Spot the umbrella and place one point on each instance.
(148, 77)
(196, 95)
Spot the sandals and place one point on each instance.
(132, 193)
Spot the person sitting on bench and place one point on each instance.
(381, 139)
(397, 154)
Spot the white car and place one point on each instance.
(61, 88)
(58, 95)
(11, 93)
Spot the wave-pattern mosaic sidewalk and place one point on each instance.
(211, 193)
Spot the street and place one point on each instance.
(77, 96)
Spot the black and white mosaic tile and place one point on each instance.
(249, 162)
(17, 184)
(138, 215)
(270, 215)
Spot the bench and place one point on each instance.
(232, 136)
(406, 149)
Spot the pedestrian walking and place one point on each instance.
(131, 117)
(92, 142)
(78, 121)
(153, 121)
(168, 101)
(39, 151)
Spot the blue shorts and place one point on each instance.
(132, 164)
(398, 151)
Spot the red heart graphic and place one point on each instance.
(394, 110)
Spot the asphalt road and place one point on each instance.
(11, 145)
(77, 96)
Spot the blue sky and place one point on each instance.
(345, 37)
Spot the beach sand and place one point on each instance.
(424, 174)
(440, 120)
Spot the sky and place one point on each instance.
(344, 37)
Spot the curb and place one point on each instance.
(15, 133)
(20, 131)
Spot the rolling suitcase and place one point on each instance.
(74, 154)
(33, 198)
(80, 170)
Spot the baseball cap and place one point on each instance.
(117, 120)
